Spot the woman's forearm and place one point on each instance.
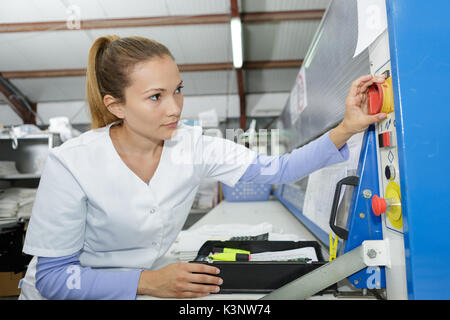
(291, 167)
(340, 135)
(64, 278)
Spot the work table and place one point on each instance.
(255, 212)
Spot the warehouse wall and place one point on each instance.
(227, 107)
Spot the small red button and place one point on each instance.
(378, 205)
(387, 139)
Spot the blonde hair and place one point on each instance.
(111, 59)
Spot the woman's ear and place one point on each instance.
(114, 106)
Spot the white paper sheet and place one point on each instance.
(320, 193)
(286, 255)
(372, 21)
(322, 184)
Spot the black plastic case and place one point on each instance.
(260, 276)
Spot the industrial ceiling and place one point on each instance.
(44, 43)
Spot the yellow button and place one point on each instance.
(388, 96)
(395, 212)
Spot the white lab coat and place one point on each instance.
(88, 199)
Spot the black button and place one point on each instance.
(387, 172)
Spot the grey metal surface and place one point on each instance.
(320, 278)
(330, 70)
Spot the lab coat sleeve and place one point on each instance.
(291, 167)
(64, 278)
(222, 159)
(58, 218)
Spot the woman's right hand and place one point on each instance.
(180, 280)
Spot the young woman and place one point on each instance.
(111, 201)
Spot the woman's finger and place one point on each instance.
(189, 294)
(366, 85)
(203, 278)
(201, 268)
(354, 88)
(201, 288)
(375, 118)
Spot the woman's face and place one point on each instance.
(154, 100)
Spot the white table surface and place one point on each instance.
(256, 212)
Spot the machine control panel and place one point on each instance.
(389, 200)
(386, 201)
(381, 99)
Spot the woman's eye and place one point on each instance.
(179, 89)
(155, 97)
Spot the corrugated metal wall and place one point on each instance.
(329, 75)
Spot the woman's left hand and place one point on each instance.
(356, 117)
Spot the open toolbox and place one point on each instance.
(260, 276)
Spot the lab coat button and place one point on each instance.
(153, 210)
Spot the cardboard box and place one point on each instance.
(9, 283)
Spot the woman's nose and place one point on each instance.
(174, 107)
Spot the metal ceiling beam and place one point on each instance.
(272, 64)
(248, 65)
(249, 17)
(205, 67)
(241, 92)
(234, 8)
(115, 23)
(25, 109)
(30, 74)
(278, 16)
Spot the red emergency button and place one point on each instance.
(378, 205)
(375, 96)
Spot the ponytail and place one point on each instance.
(99, 113)
(109, 63)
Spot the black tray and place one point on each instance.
(260, 276)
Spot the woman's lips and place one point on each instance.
(171, 125)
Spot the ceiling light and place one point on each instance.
(236, 41)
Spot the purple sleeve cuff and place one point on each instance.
(64, 278)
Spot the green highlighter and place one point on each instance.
(230, 256)
(229, 250)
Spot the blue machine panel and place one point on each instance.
(362, 224)
(420, 59)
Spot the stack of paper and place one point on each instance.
(16, 202)
(286, 255)
(8, 208)
(189, 242)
